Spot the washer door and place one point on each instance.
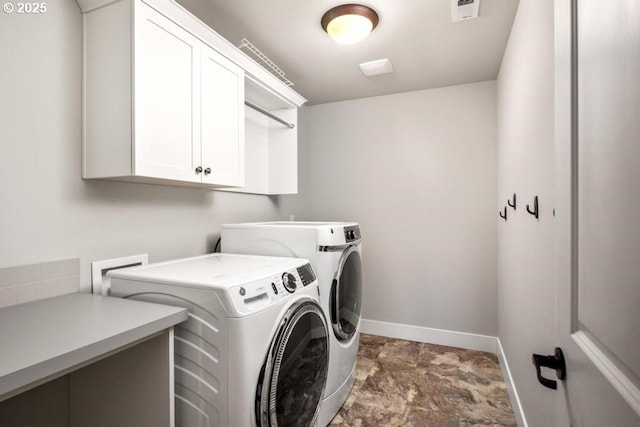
(294, 375)
(346, 294)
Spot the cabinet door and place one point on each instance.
(166, 98)
(222, 120)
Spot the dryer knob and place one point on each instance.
(290, 282)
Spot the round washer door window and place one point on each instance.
(346, 294)
(294, 375)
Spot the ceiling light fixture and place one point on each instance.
(349, 23)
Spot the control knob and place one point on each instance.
(290, 282)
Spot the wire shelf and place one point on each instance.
(254, 53)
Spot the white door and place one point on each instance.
(167, 104)
(598, 211)
(222, 121)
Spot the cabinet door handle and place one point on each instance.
(199, 169)
(207, 171)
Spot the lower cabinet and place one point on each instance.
(133, 387)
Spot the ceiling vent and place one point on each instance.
(461, 10)
(373, 68)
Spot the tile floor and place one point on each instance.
(407, 383)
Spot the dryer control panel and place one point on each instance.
(255, 296)
(352, 233)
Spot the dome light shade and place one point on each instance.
(349, 23)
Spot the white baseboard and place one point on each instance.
(430, 335)
(511, 388)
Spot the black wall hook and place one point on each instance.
(514, 202)
(503, 216)
(534, 212)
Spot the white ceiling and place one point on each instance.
(426, 48)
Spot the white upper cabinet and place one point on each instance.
(222, 121)
(164, 102)
(160, 105)
(166, 98)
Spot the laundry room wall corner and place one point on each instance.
(421, 182)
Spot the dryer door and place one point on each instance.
(346, 294)
(294, 375)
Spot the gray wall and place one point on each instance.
(47, 212)
(418, 171)
(526, 292)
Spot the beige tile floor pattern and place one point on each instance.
(407, 383)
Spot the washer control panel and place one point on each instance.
(307, 275)
(254, 296)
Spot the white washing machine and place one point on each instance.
(334, 249)
(254, 350)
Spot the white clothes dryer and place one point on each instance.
(334, 249)
(254, 350)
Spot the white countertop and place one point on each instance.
(45, 339)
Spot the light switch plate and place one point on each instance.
(462, 10)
